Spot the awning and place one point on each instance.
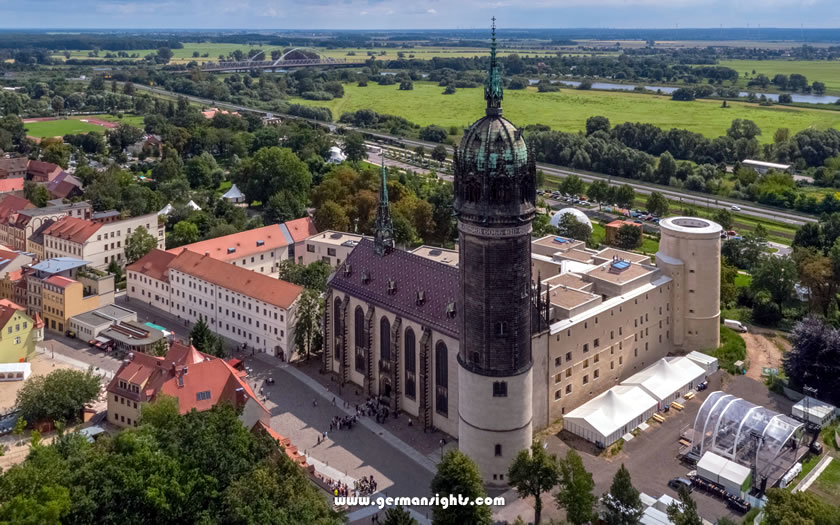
(102, 339)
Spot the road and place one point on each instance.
(645, 189)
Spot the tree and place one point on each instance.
(310, 309)
(666, 168)
(406, 85)
(449, 90)
(354, 147)
(138, 244)
(57, 153)
(184, 232)
(20, 427)
(785, 507)
(576, 486)
(57, 103)
(36, 193)
(781, 135)
(598, 123)
(312, 276)
(570, 226)
(573, 185)
(532, 473)
(684, 513)
(331, 216)
(439, 153)
(623, 196)
(159, 348)
(458, 475)
(598, 191)
(622, 504)
(201, 337)
(433, 133)
(164, 55)
(728, 290)
(818, 87)
(657, 204)
(724, 218)
(777, 276)
(282, 207)
(814, 359)
(628, 237)
(816, 272)
(420, 151)
(398, 516)
(275, 170)
(58, 396)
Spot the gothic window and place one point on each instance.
(337, 328)
(410, 364)
(501, 329)
(359, 334)
(441, 379)
(385, 339)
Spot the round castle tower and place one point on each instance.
(689, 253)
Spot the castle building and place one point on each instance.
(512, 332)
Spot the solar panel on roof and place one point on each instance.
(620, 265)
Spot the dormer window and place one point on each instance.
(365, 277)
(450, 310)
(392, 287)
(347, 270)
(421, 297)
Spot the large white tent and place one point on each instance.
(610, 415)
(668, 379)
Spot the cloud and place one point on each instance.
(431, 11)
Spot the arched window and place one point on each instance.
(410, 364)
(359, 330)
(384, 339)
(337, 329)
(441, 378)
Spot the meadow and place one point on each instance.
(568, 109)
(182, 56)
(821, 70)
(74, 125)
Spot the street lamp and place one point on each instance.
(442, 444)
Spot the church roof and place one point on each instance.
(369, 275)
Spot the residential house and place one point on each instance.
(64, 186)
(260, 249)
(35, 242)
(331, 247)
(253, 309)
(98, 243)
(38, 171)
(196, 380)
(13, 167)
(611, 230)
(17, 227)
(18, 333)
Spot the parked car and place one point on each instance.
(70, 333)
(702, 386)
(735, 208)
(738, 326)
(676, 483)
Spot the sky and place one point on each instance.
(415, 14)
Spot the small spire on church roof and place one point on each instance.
(493, 84)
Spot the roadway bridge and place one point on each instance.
(294, 58)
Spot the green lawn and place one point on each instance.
(821, 70)
(732, 348)
(807, 466)
(568, 109)
(827, 486)
(743, 280)
(74, 125)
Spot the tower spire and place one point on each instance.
(384, 235)
(493, 84)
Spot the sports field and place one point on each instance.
(74, 125)
(568, 109)
(821, 70)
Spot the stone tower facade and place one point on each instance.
(495, 194)
(689, 253)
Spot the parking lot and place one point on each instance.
(652, 457)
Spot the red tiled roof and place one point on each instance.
(73, 229)
(14, 164)
(619, 222)
(12, 204)
(60, 281)
(302, 228)
(252, 284)
(7, 185)
(39, 323)
(44, 169)
(243, 243)
(184, 373)
(154, 265)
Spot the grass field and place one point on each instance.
(827, 486)
(74, 125)
(568, 109)
(821, 70)
(182, 56)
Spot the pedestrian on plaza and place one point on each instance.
(333, 400)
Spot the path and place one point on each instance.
(761, 353)
(813, 475)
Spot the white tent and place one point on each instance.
(193, 205)
(813, 411)
(574, 212)
(336, 155)
(234, 195)
(666, 380)
(706, 361)
(610, 415)
(166, 209)
(15, 371)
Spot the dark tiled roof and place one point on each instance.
(439, 282)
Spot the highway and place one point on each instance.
(711, 201)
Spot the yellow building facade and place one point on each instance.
(18, 334)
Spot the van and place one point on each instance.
(738, 326)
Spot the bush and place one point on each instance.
(732, 348)
(316, 95)
(314, 113)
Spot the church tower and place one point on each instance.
(495, 195)
(383, 236)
